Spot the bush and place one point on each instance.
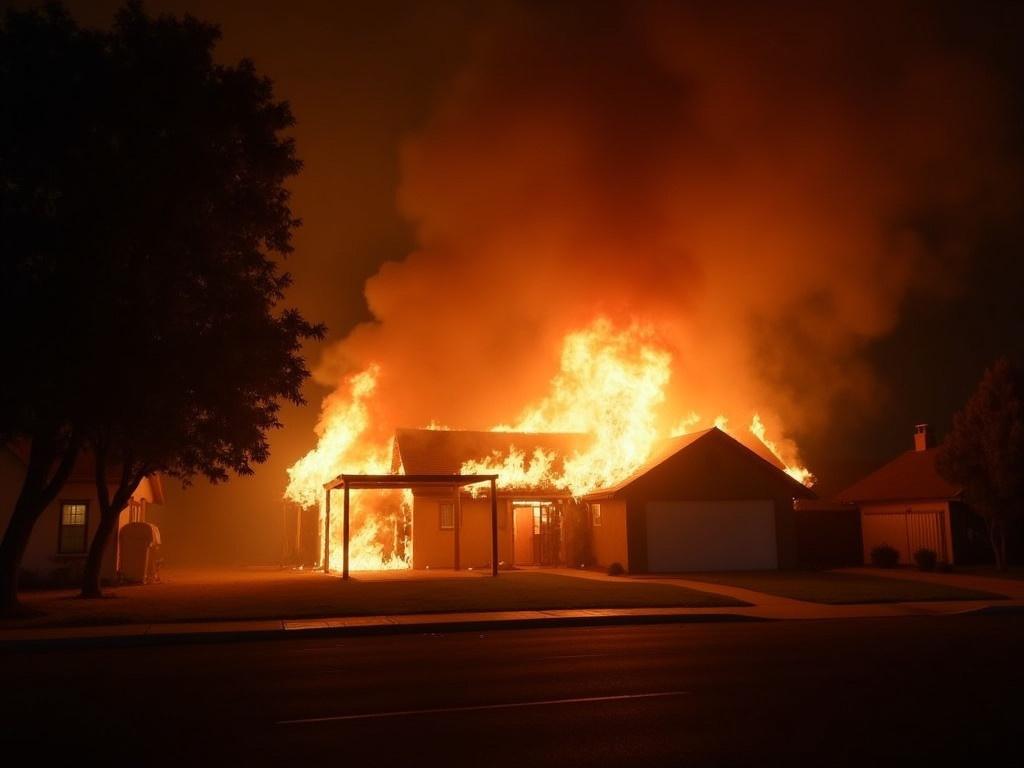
(926, 559)
(884, 556)
(616, 569)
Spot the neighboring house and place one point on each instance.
(60, 541)
(704, 501)
(906, 504)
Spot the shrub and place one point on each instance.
(884, 556)
(926, 559)
(616, 569)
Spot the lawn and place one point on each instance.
(291, 595)
(1012, 572)
(839, 588)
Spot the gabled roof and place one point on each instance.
(911, 476)
(676, 445)
(443, 451)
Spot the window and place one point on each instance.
(595, 512)
(446, 512)
(74, 518)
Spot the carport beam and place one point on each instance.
(344, 526)
(494, 528)
(327, 531)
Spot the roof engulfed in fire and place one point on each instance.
(443, 451)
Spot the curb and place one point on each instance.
(145, 639)
(996, 610)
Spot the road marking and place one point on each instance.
(580, 656)
(481, 707)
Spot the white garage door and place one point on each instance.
(710, 536)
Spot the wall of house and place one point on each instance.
(42, 564)
(609, 538)
(907, 527)
(434, 547)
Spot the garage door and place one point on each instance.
(710, 536)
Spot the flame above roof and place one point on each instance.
(443, 451)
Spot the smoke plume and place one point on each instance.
(762, 185)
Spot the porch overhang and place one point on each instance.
(348, 482)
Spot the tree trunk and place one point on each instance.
(110, 511)
(1002, 547)
(12, 549)
(40, 486)
(94, 562)
(997, 539)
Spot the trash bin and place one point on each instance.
(140, 552)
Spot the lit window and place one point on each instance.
(595, 511)
(74, 518)
(447, 514)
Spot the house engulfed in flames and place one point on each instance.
(701, 501)
(590, 474)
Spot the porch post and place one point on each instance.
(494, 528)
(327, 530)
(344, 530)
(456, 524)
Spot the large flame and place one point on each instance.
(379, 520)
(611, 385)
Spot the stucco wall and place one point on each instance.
(609, 538)
(434, 547)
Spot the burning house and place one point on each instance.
(702, 501)
(593, 474)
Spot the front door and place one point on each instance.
(538, 529)
(523, 517)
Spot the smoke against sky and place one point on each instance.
(765, 189)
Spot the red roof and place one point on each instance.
(911, 476)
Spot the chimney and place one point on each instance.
(922, 442)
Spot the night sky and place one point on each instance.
(912, 113)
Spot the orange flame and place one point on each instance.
(379, 520)
(611, 385)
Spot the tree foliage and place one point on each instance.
(984, 453)
(144, 211)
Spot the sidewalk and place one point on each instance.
(762, 607)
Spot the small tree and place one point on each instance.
(984, 453)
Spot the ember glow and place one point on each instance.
(611, 384)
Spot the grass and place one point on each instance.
(1015, 572)
(840, 588)
(293, 595)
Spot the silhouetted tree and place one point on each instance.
(984, 453)
(45, 249)
(146, 218)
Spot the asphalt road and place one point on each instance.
(867, 692)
